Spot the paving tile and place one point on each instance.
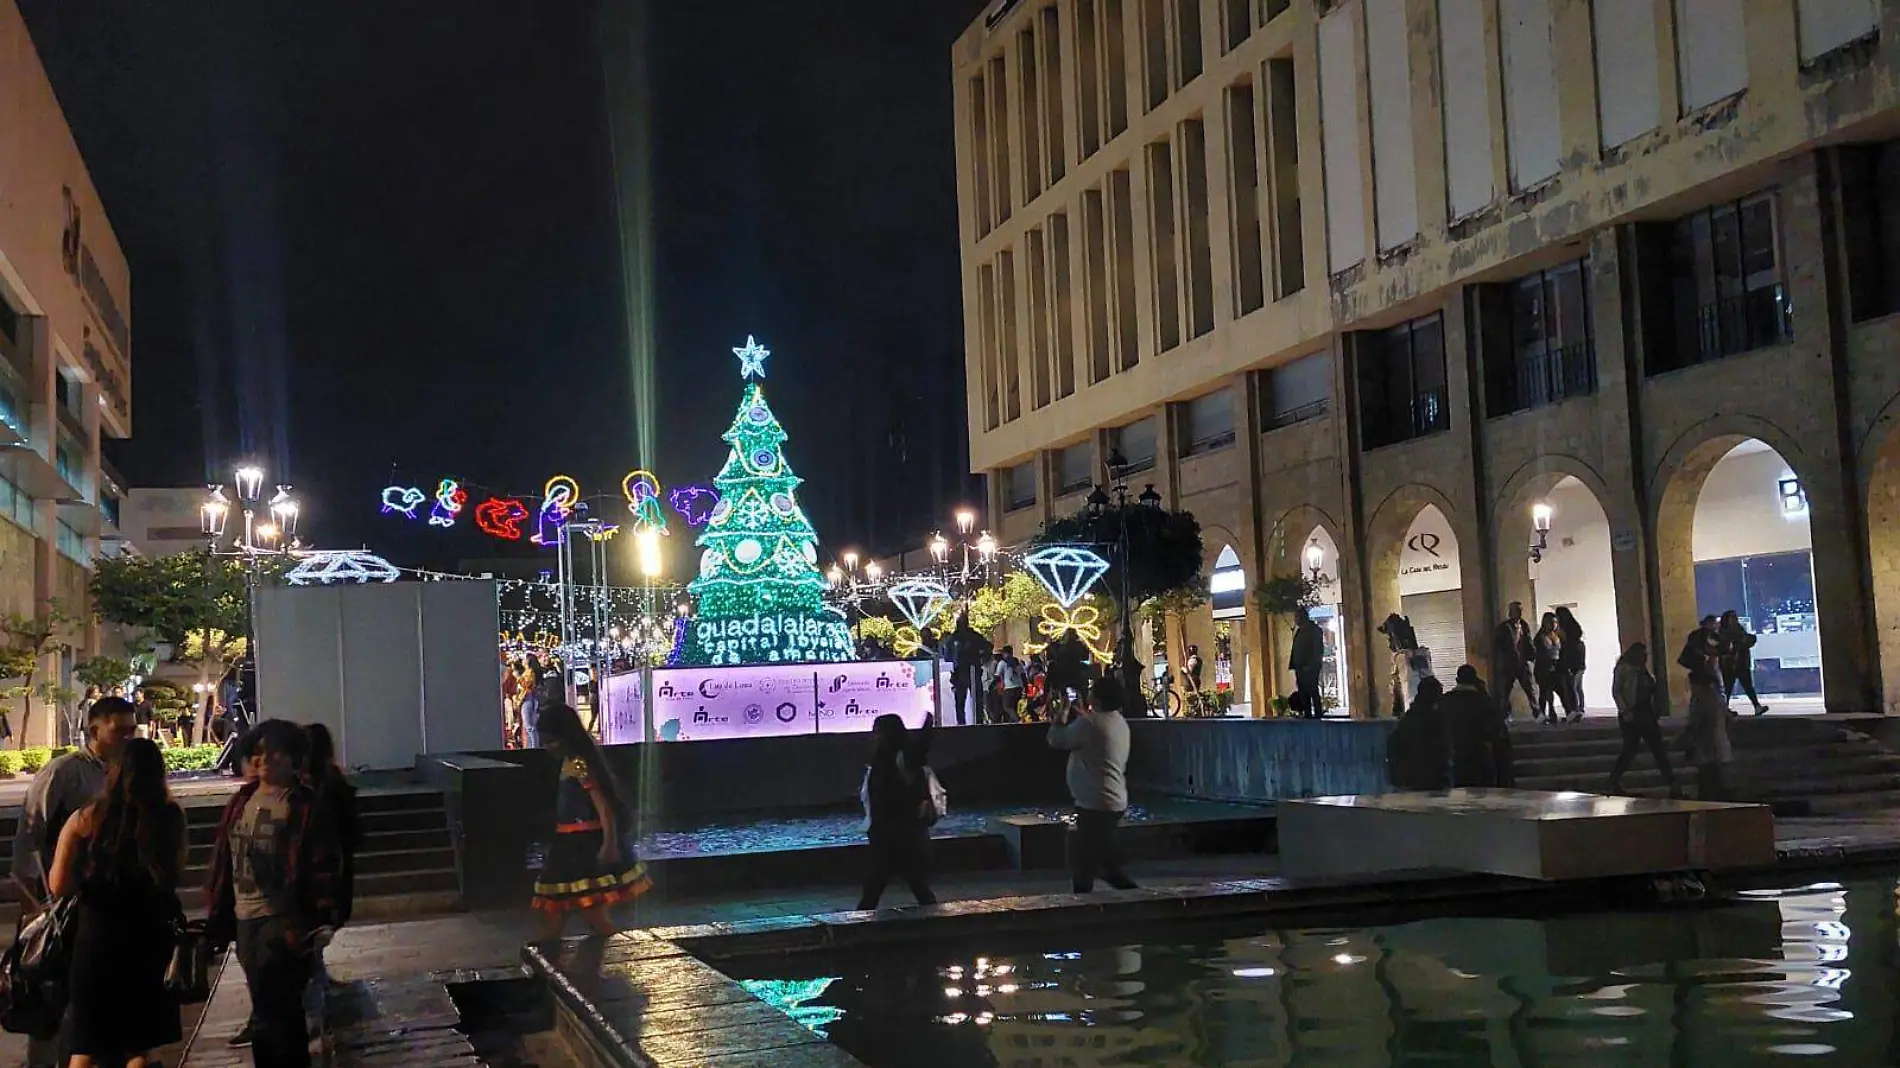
(817, 1056)
(736, 1014)
(694, 1049)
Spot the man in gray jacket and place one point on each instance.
(1096, 739)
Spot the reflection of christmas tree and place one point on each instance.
(761, 598)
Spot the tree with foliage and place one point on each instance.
(29, 640)
(104, 672)
(1164, 549)
(175, 596)
(1282, 595)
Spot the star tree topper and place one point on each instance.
(752, 358)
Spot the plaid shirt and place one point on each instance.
(316, 867)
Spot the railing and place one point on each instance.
(1554, 375)
(1309, 410)
(1429, 413)
(1732, 325)
(1017, 504)
(1210, 443)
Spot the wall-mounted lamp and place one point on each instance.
(1541, 514)
(1316, 563)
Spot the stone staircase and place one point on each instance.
(406, 865)
(1809, 765)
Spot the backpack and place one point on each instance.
(33, 972)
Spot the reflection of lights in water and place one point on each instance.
(1802, 1049)
(1253, 973)
(1344, 959)
(954, 1018)
(794, 998)
(953, 972)
(1006, 988)
(1608, 993)
(1618, 1010)
(983, 1018)
(1062, 956)
(953, 991)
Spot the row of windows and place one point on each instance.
(70, 543)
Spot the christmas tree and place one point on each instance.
(761, 598)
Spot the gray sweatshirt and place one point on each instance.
(1097, 744)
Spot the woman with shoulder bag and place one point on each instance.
(1738, 660)
(899, 809)
(120, 858)
(1638, 717)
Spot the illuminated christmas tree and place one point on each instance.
(760, 596)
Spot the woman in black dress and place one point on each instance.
(590, 868)
(121, 857)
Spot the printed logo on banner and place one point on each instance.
(753, 713)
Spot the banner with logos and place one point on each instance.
(694, 704)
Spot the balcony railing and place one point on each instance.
(1211, 442)
(1309, 410)
(1732, 325)
(1552, 375)
(1429, 413)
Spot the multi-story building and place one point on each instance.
(1369, 285)
(65, 350)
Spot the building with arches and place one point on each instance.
(1383, 282)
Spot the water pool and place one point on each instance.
(764, 832)
(1789, 975)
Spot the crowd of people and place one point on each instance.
(529, 681)
(99, 827)
(1462, 738)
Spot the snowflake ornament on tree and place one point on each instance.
(760, 596)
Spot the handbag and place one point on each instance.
(34, 971)
(188, 976)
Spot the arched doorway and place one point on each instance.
(1570, 565)
(1431, 589)
(1227, 659)
(1751, 551)
(1319, 559)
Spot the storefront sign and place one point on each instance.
(693, 704)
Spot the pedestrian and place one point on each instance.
(1069, 671)
(898, 810)
(1096, 738)
(67, 784)
(121, 856)
(1010, 682)
(144, 712)
(1477, 733)
(1549, 647)
(76, 725)
(590, 867)
(1418, 750)
(1307, 661)
(1192, 669)
(337, 799)
(1402, 641)
(1035, 687)
(1707, 737)
(1738, 660)
(276, 871)
(1571, 662)
(1639, 716)
(1512, 656)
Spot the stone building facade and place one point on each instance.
(1375, 277)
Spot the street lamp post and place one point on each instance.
(1100, 506)
(275, 536)
(983, 545)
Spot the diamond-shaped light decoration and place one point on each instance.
(1068, 572)
(325, 567)
(920, 600)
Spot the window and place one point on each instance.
(15, 504)
(1210, 423)
(1088, 76)
(1167, 264)
(1243, 199)
(1728, 295)
(1402, 383)
(1550, 357)
(1870, 195)
(1236, 23)
(71, 543)
(1030, 121)
(1197, 246)
(1298, 391)
(1283, 176)
(1135, 443)
(68, 458)
(9, 322)
(109, 506)
(1075, 469)
(980, 154)
(1019, 486)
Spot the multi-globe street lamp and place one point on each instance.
(1101, 507)
(275, 536)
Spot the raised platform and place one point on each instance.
(1528, 834)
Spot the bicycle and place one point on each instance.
(1160, 697)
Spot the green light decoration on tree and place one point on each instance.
(760, 596)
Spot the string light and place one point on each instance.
(501, 517)
(402, 500)
(325, 567)
(694, 503)
(450, 497)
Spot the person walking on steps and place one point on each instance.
(898, 809)
(1512, 656)
(121, 857)
(1737, 660)
(1570, 663)
(1096, 739)
(1549, 648)
(1639, 716)
(1707, 738)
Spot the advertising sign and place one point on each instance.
(692, 704)
(623, 709)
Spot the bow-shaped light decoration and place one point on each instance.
(1084, 621)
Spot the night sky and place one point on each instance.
(377, 241)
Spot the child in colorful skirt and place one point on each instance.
(589, 868)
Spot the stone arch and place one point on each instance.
(1387, 532)
(1677, 495)
(1286, 541)
(1880, 467)
(1578, 555)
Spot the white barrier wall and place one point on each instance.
(393, 669)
